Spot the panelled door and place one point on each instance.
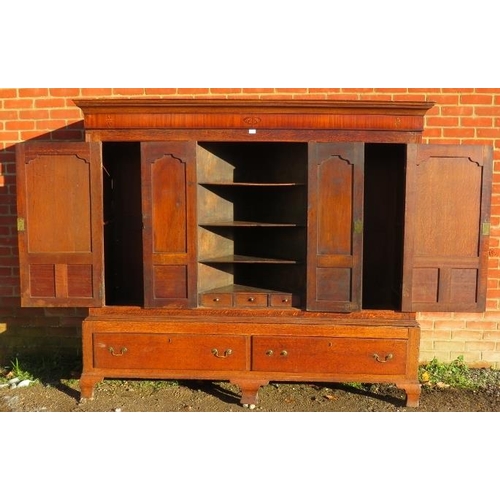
(448, 193)
(169, 222)
(60, 217)
(335, 226)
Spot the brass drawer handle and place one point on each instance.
(251, 299)
(227, 353)
(283, 353)
(387, 358)
(216, 299)
(123, 350)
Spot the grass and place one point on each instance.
(39, 369)
(457, 374)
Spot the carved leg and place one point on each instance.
(87, 385)
(412, 394)
(249, 390)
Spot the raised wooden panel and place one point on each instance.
(79, 281)
(60, 230)
(335, 218)
(58, 211)
(448, 193)
(169, 219)
(42, 280)
(170, 282)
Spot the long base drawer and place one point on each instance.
(169, 351)
(329, 355)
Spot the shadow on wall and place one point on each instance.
(27, 333)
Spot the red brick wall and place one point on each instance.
(461, 115)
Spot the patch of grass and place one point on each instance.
(16, 370)
(457, 374)
(40, 369)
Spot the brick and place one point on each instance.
(223, 91)
(21, 125)
(479, 346)
(482, 325)
(441, 99)
(487, 110)
(33, 92)
(67, 114)
(291, 91)
(18, 104)
(459, 132)
(490, 133)
(53, 102)
(163, 91)
(492, 335)
(8, 93)
(458, 90)
(443, 121)
(436, 334)
(129, 92)
(33, 114)
(449, 324)
(96, 92)
(467, 335)
(476, 99)
(456, 110)
(491, 357)
(468, 121)
(426, 324)
(65, 92)
(452, 345)
(11, 114)
(255, 91)
(426, 345)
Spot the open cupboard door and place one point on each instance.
(448, 193)
(169, 223)
(335, 226)
(59, 192)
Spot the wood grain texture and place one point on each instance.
(60, 199)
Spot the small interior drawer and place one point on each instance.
(250, 299)
(216, 300)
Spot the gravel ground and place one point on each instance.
(205, 396)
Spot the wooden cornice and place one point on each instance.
(120, 114)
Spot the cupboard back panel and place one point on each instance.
(123, 224)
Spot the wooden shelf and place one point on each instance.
(243, 259)
(253, 184)
(242, 223)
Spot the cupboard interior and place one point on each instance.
(252, 220)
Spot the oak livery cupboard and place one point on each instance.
(253, 241)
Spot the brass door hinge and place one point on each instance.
(486, 228)
(358, 227)
(21, 226)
